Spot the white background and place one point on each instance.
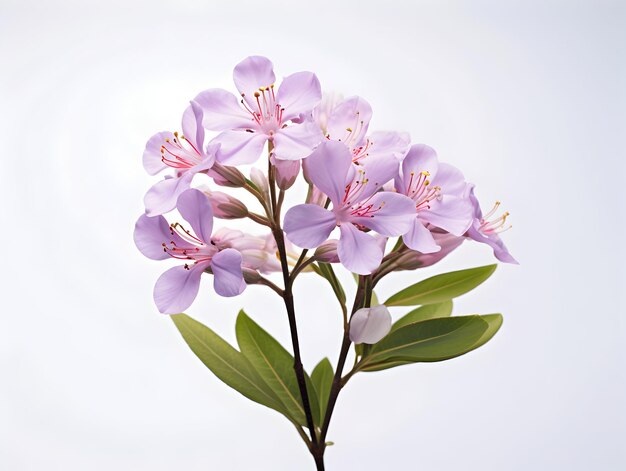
(526, 97)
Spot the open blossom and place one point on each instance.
(176, 289)
(348, 122)
(370, 324)
(280, 116)
(487, 230)
(358, 205)
(184, 153)
(438, 192)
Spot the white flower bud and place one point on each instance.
(370, 324)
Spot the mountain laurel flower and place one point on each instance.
(225, 206)
(438, 192)
(177, 288)
(370, 324)
(185, 153)
(348, 122)
(486, 229)
(357, 207)
(263, 114)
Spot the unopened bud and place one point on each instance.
(327, 252)
(286, 172)
(370, 324)
(227, 176)
(260, 181)
(225, 206)
(315, 196)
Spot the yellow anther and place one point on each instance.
(176, 133)
(426, 182)
(349, 129)
(257, 94)
(426, 173)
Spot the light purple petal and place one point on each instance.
(419, 238)
(152, 157)
(195, 207)
(450, 213)
(222, 111)
(327, 167)
(389, 143)
(161, 197)
(252, 73)
(370, 324)
(359, 252)
(298, 94)
(420, 158)
(308, 225)
(176, 289)
(451, 180)
(228, 277)
(150, 235)
(192, 126)
(297, 141)
(349, 121)
(391, 214)
(239, 147)
(376, 171)
(494, 241)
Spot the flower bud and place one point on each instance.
(413, 259)
(327, 252)
(250, 276)
(260, 180)
(286, 172)
(315, 196)
(225, 206)
(227, 176)
(370, 324)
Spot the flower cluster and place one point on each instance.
(363, 188)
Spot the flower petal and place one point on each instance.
(192, 126)
(419, 238)
(297, 141)
(161, 197)
(195, 207)
(375, 172)
(451, 180)
(359, 252)
(389, 143)
(494, 241)
(252, 73)
(150, 235)
(395, 216)
(349, 121)
(222, 111)
(298, 94)
(239, 147)
(327, 167)
(450, 213)
(420, 158)
(228, 277)
(370, 324)
(176, 289)
(152, 158)
(308, 225)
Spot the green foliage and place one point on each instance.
(275, 365)
(322, 378)
(325, 270)
(430, 311)
(442, 287)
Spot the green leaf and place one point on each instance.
(275, 365)
(325, 270)
(228, 364)
(494, 322)
(427, 341)
(322, 378)
(430, 311)
(441, 287)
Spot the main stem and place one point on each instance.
(291, 315)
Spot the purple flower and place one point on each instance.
(413, 259)
(487, 231)
(176, 289)
(184, 153)
(263, 114)
(357, 206)
(348, 122)
(438, 193)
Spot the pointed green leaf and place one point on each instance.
(275, 365)
(430, 311)
(429, 340)
(494, 322)
(442, 287)
(322, 378)
(228, 364)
